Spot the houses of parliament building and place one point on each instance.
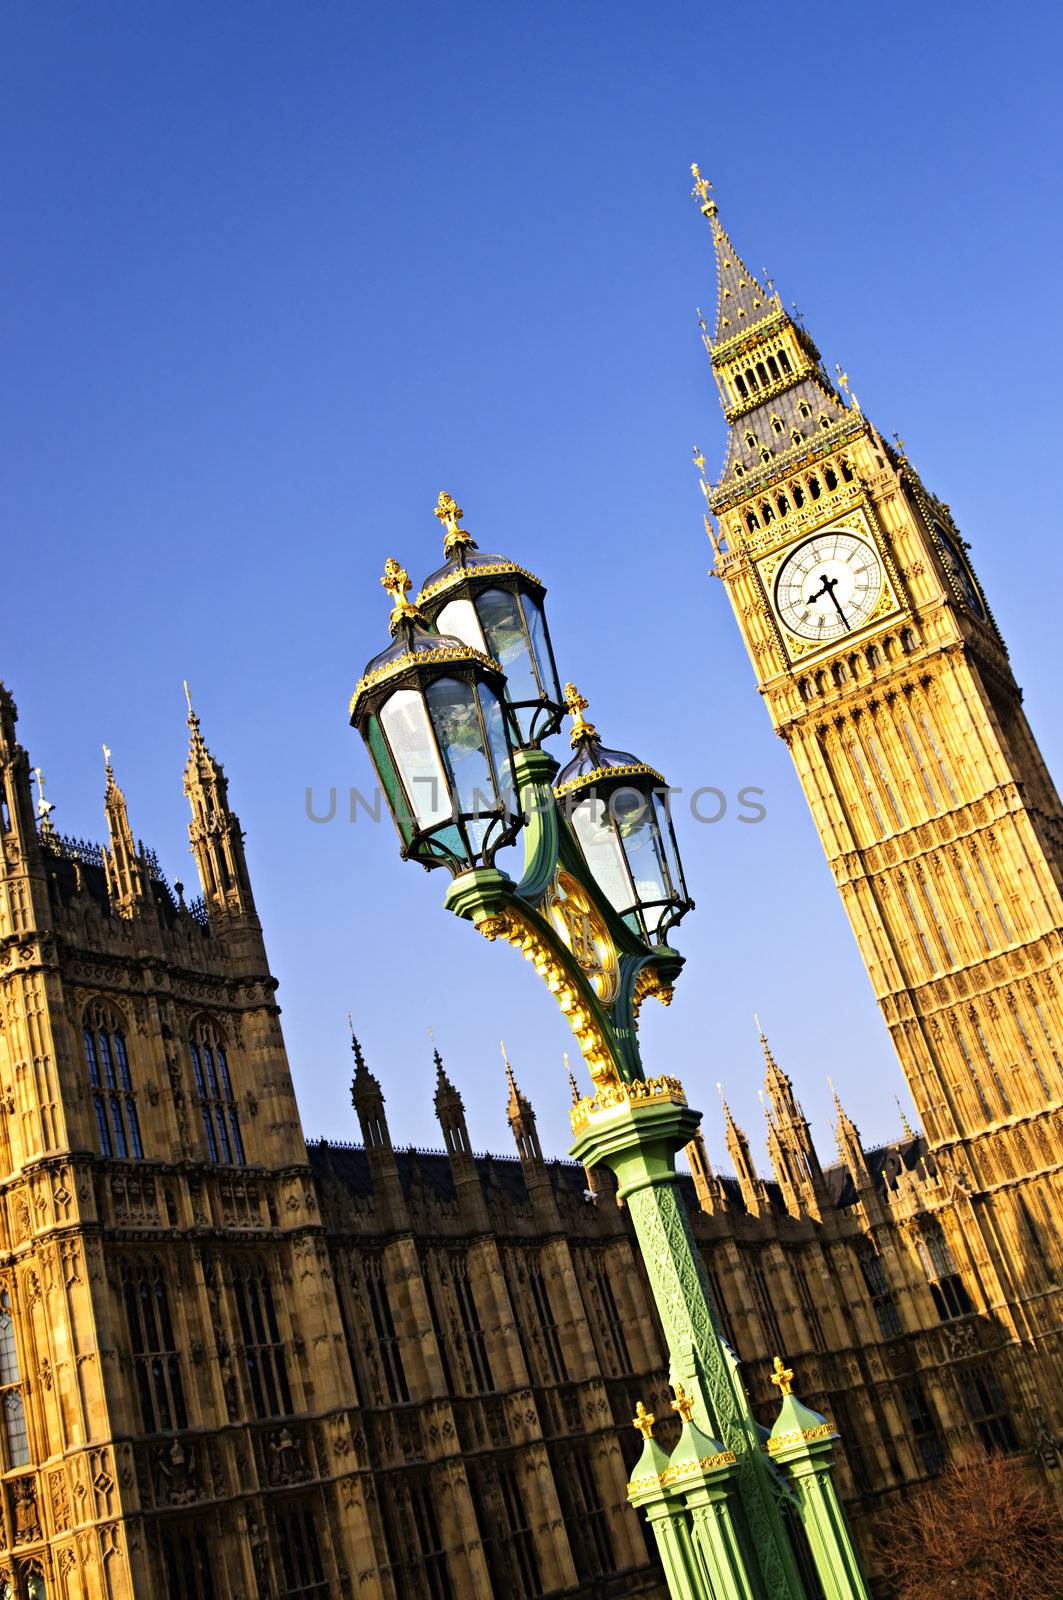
(235, 1366)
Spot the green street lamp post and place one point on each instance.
(453, 712)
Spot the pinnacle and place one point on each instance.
(446, 1093)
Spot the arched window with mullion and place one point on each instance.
(16, 1451)
(214, 1093)
(111, 1085)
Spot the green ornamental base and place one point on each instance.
(717, 1506)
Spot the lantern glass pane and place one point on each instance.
(637, 826)
(455, 717)
(494, 722)
(405, 721)
(600, 846)
(507, 641)
(398, 805)
(671, 850)
(540, 641)
(459, 619)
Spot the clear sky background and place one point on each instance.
(275, 274)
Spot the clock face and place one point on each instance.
(958, 570)
(829, 586)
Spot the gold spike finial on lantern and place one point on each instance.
(782, 1376)
(396, 581)
(700, 191)
(450, 514)
(576, 704)
(643, 1421)
(683, 1403)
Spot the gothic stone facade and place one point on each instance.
(233, 1368)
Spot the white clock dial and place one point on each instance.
(829, 586)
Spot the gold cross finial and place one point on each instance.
(643, 1421)
(577, 705)
(699, 460)
(899, 442)
(396, 581)
(782, 1376)
(700, 191)
(683, 1403)
(450, 514)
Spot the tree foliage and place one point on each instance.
(980, 1532)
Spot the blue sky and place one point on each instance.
(278, 273)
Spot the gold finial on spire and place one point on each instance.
(700, 191)
(450, 514)
(683, 1403)
(782, 1377)
(699, 461)
(843, 384)
(643, 1421)
(576, 705)
(396, 581)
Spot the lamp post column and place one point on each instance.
(635, 1129)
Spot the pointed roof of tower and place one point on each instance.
(446, 1095)
(201, 766)
(846, 1133)
(735, 1136)
(775, 1079)
(518, 1104)
(776, 396)
(363, 1082)
(741, 299)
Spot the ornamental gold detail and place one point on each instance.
(581, 927)
(649, 985)
(421, 658)
(783, 1441)
(522, 934)
(690, 1469)
(615, 1095)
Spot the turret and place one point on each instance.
(217, 841)
(521, 1118)
(756, 1201)
(126, 877)
(368, 1102)
(793, 1155)
(24, 897)
(706, 1184)
(450, 1111)
(850, 1149)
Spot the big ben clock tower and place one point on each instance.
(883, 670)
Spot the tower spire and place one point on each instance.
(215, 834)
(521, 1117)
(739, 1151)
(126, 879)
(742, 301)
(776, 395)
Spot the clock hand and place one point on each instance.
(828, 586)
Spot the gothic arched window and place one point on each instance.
(156, 1364)
(214, 1094)
(117, 1125)
(262, 1346)
(16, 1439)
